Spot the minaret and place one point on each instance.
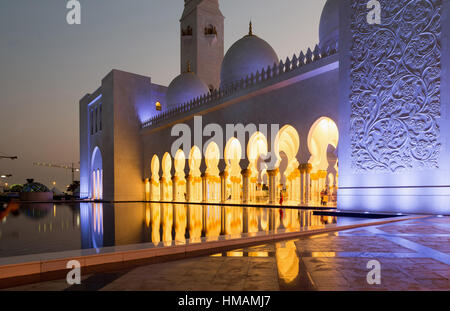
(202, 40)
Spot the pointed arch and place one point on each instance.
(212, 159)
(96, 174)
(179, 188)
(155, 191)
(287, 144)
(166, 180)
(323, 140)
(232, 156)
(194, 182)
(257, 149)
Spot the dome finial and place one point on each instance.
(250, 29)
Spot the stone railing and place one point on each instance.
(264, 75)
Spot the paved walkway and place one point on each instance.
(414, 255)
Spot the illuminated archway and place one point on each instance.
(234, 220)
(96, 175)
(155, 215)
(323, 139)
(232, 155)
(180, 180)
(256, 150)
(166, 180)
(155, 191)
(195, 179)
(212, 158)
(287, 143)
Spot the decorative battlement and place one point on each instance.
(264, 75)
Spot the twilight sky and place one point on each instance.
(46, 65)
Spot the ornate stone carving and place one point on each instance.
(395, 86)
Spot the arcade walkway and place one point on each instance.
(414, 255)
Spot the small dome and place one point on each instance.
(329, 24)
(246, 56)
(35, 187)
(185, 87)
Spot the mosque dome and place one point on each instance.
(329, 24)
(185, 87)
(245, 57)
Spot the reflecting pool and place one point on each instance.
(41, 228)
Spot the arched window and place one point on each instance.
(210, 30)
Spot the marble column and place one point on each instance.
(302, 170)
(162, 180)
(308, 169)
(188, 188)
(295, 186)
(204, 188)
(272, 185)
(245, 186)
(175, 187)
(223, 186)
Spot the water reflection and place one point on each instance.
(91, 225)
(38, 228)
(177, 222)
(287, 261)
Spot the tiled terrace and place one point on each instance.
(414, 255)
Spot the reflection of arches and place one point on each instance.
(155, 211)
(213, 221)
(232, 155)
(195, 223)
(212, 185)
(154, 180)
(180, 216)
(287, 144)
(91, 222)
(233, 222)
(256, 150)
(179, 181)
(194, 179)
(166, 180)
(323, 139)
(96, 174)
(167, 223)
(287, 261)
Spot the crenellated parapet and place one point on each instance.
(260, 76)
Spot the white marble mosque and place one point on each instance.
(364, 115)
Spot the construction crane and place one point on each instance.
(5, 156)
(66, 167)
